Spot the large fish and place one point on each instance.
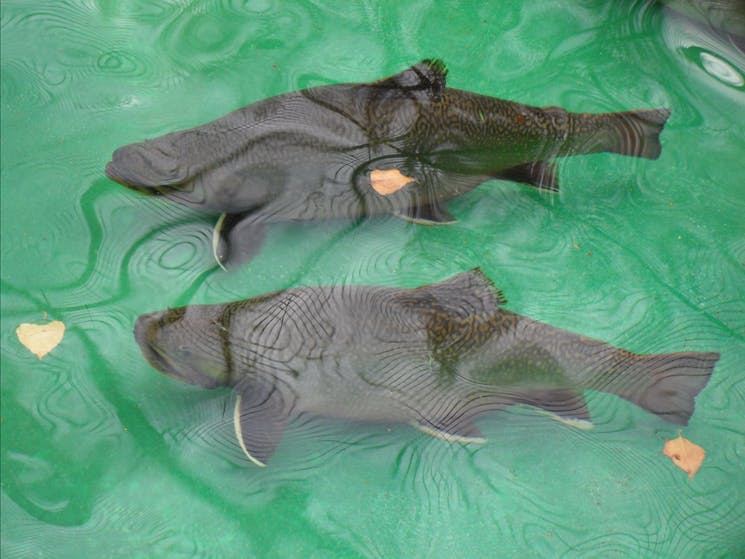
(403, 145)
(436, 356)
(725, 17)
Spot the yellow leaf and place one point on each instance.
(388, 181)
(686, 455)
(40, 339)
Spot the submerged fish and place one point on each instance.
(403, 145)
(726, 17)
(436, 356)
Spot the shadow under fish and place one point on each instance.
(436, 356)
(403, 145)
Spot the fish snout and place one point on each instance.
(146, 333)
(160, 345)
(173, 342)
(144, 167)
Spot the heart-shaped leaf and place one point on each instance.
(40, 339)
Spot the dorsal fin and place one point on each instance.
(459, 314)
(425, 75)
(465, 294)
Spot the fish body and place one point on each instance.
(727, 17)
(318, 153)
(436, 356)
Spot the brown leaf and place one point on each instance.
(388, 181)
(40, 339)
(686, 455)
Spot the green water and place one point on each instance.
(104, 457)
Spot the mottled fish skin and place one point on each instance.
(436, 356)
(311, 154)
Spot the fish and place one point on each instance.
(403, 145)
(710, 36)
(725, 18)
(436, 356)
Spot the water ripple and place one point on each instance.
(122, 63)
(203, 38)
(22, 82)
(117, 516)
(103, 454)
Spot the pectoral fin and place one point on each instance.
(236, 238)
(259, 419)
(416, 190)
(461, 430)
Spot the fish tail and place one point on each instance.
(633, 133)
(665, 384)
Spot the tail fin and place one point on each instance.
(634, 133)
(638, 132)
(667, 384)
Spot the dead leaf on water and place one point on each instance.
(686, 455)
(40, 339)
(388, 181)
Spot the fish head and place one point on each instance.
(186, 343)
(156, 168)
(147, 166)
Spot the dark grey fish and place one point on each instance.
(436, 356)
(403, 145)
(727, 17)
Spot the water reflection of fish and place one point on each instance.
(402, 145)
(726, 16)
(436, 356)
(711, 35)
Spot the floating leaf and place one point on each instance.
(40, 339)
(686, 455)
(388, 181)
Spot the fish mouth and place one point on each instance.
(145, 168)
(144, 326)
(117, 176)
(125, 179)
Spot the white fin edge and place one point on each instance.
(216, 239)
(581, 424)
(426, 222)
(438, 434)
(239, 432)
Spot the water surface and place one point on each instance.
(104, 457)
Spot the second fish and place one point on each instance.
(403, 145)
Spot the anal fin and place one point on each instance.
(427, 214)
(564, 405)
(461, 431)
(581, 424)
(541, 174)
